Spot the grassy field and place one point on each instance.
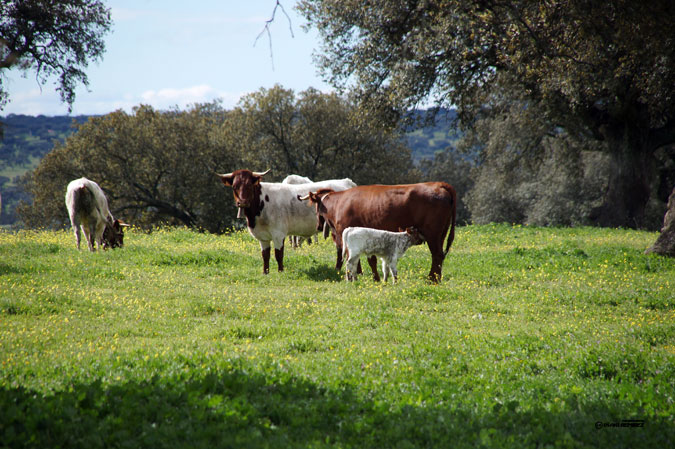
(537, 337)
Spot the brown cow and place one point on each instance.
(431, 207)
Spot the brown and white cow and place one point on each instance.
(273, 211)
(431, 207)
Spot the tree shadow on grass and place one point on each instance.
(238, 408)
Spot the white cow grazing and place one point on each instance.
(88, 209)
(388, 246)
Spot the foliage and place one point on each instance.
(154, 167)
(28, 139)
(598, 70)
(177, 340)
(528, 175)
(159, 167)
(453, 167)
(321, 136)
(57, 37)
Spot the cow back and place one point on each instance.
(391, 207)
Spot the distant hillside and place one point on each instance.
(25, 141)
(426, 141)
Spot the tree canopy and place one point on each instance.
(601, 70)
(158, 167)
(52, 38)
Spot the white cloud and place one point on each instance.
(47, 101)
(183, 97)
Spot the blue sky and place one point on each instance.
(169, 53)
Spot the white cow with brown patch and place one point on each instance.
(273, 210)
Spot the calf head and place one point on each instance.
(245, 186)
(113, 236)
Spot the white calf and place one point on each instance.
(388, 246)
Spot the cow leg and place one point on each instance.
(91, 241)
(279, 256)
(100, 228)
(338, 264)
(436, 262)
(372, 261)
(266, 250)
(91, 236)
(76, 231)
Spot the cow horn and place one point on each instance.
(224, 175)
(261, 174)
(303, 198)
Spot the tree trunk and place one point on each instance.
(631, 169)
(665, 243)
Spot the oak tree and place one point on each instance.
(602, 70)
(52, 38)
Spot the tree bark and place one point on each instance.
(628, 190)
(665, 243)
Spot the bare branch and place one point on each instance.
(268, 23)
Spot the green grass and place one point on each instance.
(178, 340)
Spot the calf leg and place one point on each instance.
(385, 270)
(351, 272)
(394, 271)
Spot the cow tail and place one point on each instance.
(451, 234)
